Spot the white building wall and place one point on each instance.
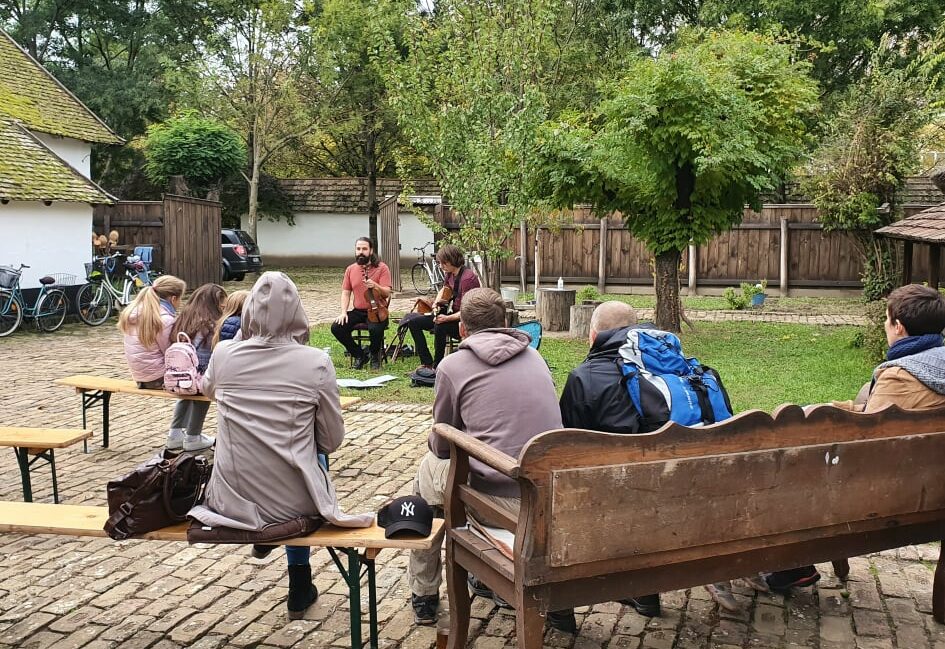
(328, 239)
(77, 153)
(53, 239)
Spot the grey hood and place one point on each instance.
(927, 367)
(496, 346)
(273, 311)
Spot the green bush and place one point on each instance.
(872, 337)
(588, 293)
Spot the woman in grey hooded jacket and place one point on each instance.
(277, 408)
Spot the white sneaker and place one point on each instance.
(198, 442)
(175, 439)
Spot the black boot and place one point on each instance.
(302, 592)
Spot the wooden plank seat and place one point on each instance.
(99, 389)
(361, 546)
(606, 517)
(41, 444)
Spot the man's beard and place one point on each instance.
(361, 260)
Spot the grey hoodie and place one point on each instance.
(277, 406)
(499, 390)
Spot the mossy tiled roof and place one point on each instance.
(31, 172)
(32, 96)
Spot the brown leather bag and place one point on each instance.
(157, 494)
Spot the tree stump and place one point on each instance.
(554, 308)
(581, 319)
(511, 314)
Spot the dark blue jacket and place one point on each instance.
(230, 326)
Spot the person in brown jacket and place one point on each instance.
(912, 377)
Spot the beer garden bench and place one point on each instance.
(96, 390)
(361, 546)
(41, 443)
(607, 517)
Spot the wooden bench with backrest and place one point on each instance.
(606, 517)
(99, 389)
(80, 520)
(41, 443)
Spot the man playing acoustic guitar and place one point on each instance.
(442, 314)
(368, 282)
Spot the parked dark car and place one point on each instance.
(240, 255)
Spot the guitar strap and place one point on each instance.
(456, 287)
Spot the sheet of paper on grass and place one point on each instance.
(373, 382)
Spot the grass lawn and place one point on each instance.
(762, 364)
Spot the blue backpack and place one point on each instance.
(666, 386)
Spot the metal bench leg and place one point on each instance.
(352, 577)
(52, 465)
(89, 400)
(372, 600)
(22, 459)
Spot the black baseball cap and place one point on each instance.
(407, 513)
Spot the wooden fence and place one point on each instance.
(184, 231)
(783, 244)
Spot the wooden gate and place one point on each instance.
(192, 240)
(185, 234)
(388, 217)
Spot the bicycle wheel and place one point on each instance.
(129, 289)
(11, 312)
(420, 277)
(51, 310)
(94, 304)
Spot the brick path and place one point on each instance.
(63, 592)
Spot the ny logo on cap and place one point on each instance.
(406, 509)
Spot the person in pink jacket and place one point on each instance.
(146, 324)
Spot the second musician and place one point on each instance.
(444, 321)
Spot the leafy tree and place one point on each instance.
(203, 151)
(680, 144)
(839, 36)
(345, 81)
(470, 95)
(870, 145)
(249, 57)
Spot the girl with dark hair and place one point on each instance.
(198, 320)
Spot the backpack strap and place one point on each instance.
(702, 395)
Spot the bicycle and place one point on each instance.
(426, 274)
(48, 311)
(95, 300)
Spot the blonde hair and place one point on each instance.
(233, 306)
(143, 316)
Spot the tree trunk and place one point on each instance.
(253, 216)
(666, 284)
(370, 169)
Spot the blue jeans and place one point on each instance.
(298, 555)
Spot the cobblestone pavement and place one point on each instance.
(67, 592)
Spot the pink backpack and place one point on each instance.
(180, 367)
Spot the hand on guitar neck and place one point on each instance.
(377, 301)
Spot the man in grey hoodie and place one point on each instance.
(496, 388)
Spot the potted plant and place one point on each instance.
(588, 296)
(752, 295)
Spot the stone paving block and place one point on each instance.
(124, 629)
(624, 642)
(25, 627)
(79, 638)
(768, 620)
(871, 623)
(836, 629)
(874, 643)
(41, 640)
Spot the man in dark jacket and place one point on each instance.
(595, 397)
